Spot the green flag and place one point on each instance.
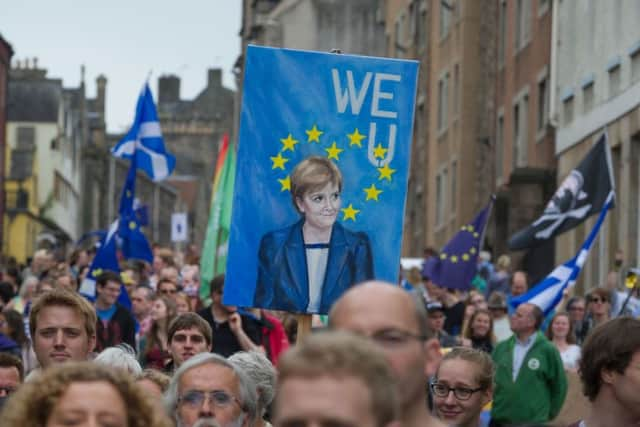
(214, 251)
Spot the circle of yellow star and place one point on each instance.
(465, 257)
(278, 162)
(372, 193)
(333, 151)
(285, 184)
(379, 152)
(472, 251)
(132, 225)
(443, 256)
(355, 138)
(288, 143)
(454, 259)
(313, 134)
(349, 212)
(386, 172)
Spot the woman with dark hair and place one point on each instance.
(560, 333)
(480, 331)
(12, 326)
(306, 266)
(80, 394)
(154, 349)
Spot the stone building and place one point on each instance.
(6, 52)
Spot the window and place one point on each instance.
(587, 97)
(523, 24)
(456, 89)
(503, 31)
(516, 135)
(499, 147)
(542, 104)
(412, 19)
(614, 81)
(443, 94)
(543, 7)
(454, 185)
(567, 109)
(421, 28)
(26, 138)
(524, 134)
(441, 196)
(635, 66)
(445, 18)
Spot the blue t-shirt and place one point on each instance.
(106, 315)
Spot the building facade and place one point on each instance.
(597, 89)
(6, 52)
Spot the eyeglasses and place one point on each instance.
(219, 398)
(597, 300)
(168, 291)
(460, 393)
(395, 338)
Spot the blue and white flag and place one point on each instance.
(548, 293)
(144, 140)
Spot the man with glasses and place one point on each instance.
(598, 312)
(396, 320)
(11, 373)
(530, 382)
(115, 323)
(167, 288)
(207, 389)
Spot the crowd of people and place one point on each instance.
(386, 355)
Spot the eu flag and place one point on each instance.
(134, 244)
(457, 263)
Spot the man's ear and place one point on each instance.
(607, 376)
(434, 356)
(487, 396)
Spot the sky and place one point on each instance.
(126, 41)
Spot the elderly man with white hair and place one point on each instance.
(260, 370)
(207, 389)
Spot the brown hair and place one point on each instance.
(188, 321)
(609, 347)
(64, 298)
(33, 403)
(342, 354)
(468, 332)
(312, 174)
(10, 361)
(485, 371)
(152, 335)
(156, 377)
(166, 255)
(571, 336)
(600, 292)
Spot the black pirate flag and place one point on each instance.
(582, 193)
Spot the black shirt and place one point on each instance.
(224, 341)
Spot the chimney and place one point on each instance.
(214, 77)
(101, 93)
(168, 89)
(35, 62)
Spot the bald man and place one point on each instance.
(397, 321)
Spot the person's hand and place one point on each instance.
(235, 322)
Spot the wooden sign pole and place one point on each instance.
(304, 326)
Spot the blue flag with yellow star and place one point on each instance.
(457, 263)
(298, 107)
(133, 243)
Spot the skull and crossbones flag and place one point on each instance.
(582, 193)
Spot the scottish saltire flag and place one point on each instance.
(355, 112)
(133, 242)
(548, 293)
(582, 193)
(458, 260)
(144, 140)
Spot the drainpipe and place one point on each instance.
(553, 114)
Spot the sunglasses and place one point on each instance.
(597, 300)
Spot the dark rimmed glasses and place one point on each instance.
(219, 398)
(461, 393)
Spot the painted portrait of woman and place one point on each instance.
(306, 266)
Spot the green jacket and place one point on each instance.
(539, 391)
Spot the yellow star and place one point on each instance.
(443, 256)
(454, 259)
(372, 193)
(470, 227)
(386, 172)
(349, 212)
(285, 183)
(288, 143)
(333, 151)
(132, 225)
(128, 193)
(97, 272)
(472, 251)
(379, 152)
(313, 134)
(278, 162)
(463, 228)
(476, 235)
(356, 138)
(465, 257)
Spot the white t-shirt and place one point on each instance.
(571, 356)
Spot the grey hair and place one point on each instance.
(248, 396)
(262, 373)
(121, 356)
(29, 281)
